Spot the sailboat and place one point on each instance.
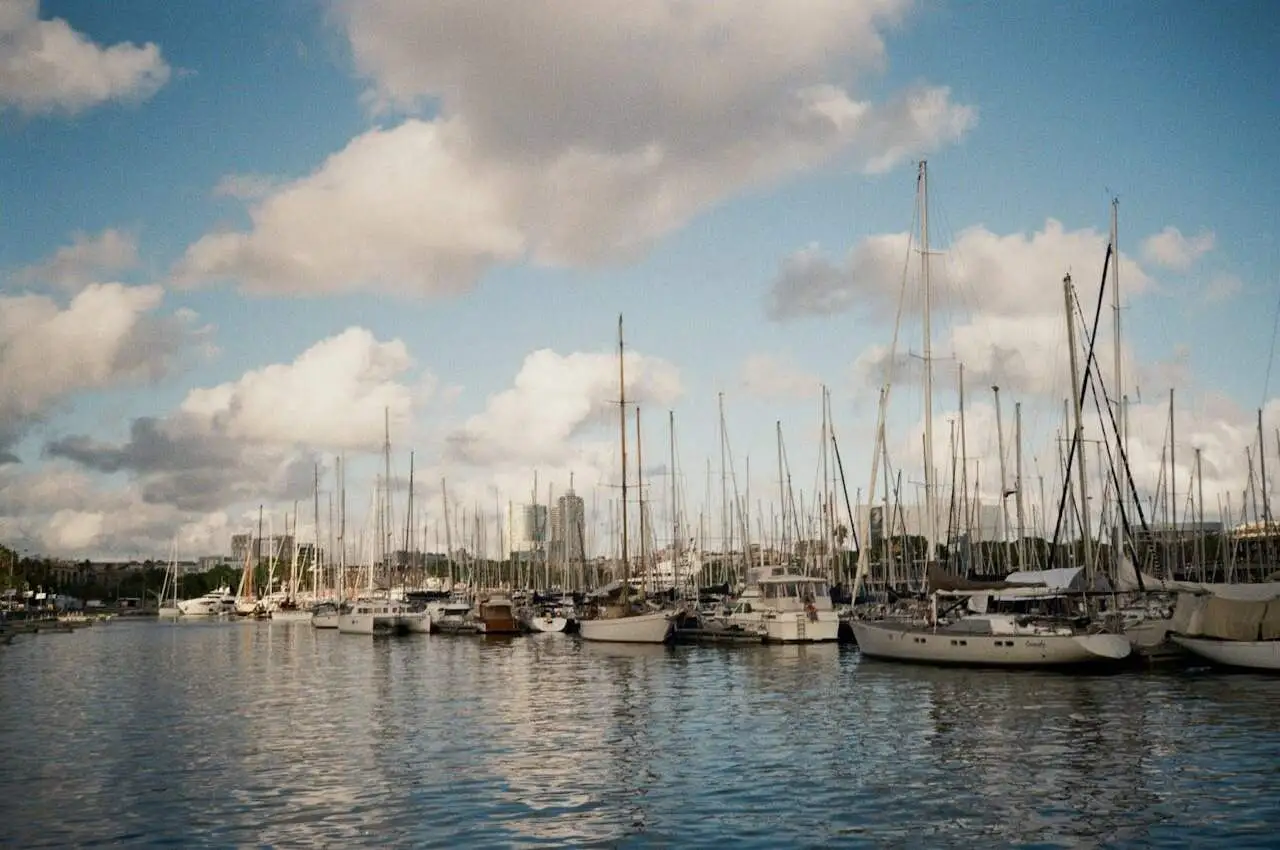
(1032, 622)
(616, 617)
(169, 590)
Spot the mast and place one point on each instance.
(1078, 402)
(1173, 493)
(1004, 487)
(782, 493)
(622, 426)
(931, 523)
(408, 519)
(1021, 508)
(675, 505)
(342, 527)
(1200, 511)
(386, 493)
(315, 549)
(1122, 431)
(448, 533)
(964, 481)
(644, 536)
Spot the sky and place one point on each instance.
(238, 238)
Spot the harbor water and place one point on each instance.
(230, 734)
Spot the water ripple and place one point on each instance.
(231, 734)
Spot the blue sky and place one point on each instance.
(543, 172)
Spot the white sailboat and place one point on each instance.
(168, 601)
(1040, 624)
(1233, 632)
(617, 616)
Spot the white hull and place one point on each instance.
(169, 612)
(294, 615)
(1249, 654)
(925, 646)
(640, 628)
(407, 622)
(548, 624)
(199, 608)
(325, 619)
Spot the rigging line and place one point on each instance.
(1271, 354)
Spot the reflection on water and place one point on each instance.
(222, 734)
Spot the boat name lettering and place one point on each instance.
(1036, 643)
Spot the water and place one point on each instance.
(238, 734)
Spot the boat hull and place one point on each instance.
(325, 619)
(291, 615)
(640, 628)
(1245, 654)
(168, 612)
(799, 627)
(923, 646)
(548, 623)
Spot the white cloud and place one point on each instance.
(771, 377)
(106, 336)
(84, 260)
(333, 395)
(1170, 249)
(555, 399)
(46, 66)
(226, 448)
(571, 135)
(996, 300)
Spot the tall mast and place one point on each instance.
(386, 493)
(622, 426)
(964, 481)
(342, 527)
(448, 533)
(408, 519)
(1021, 507)
(1077, 402)
(782, 492)
(1122, 432)
(644, 535)
(315, 549)
(931, 520)
(675, 505)
(1003, 551)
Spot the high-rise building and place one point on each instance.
(568, 528)
(240, 544)
(528, 528)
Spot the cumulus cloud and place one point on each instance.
(996, 299)
(86, 259)
(1171, 250)
(59, 510)
(334, 394)
(107, 335)
(46, 66)
(262, 433)
(222, 451)
(570, 135)
(554, 399)
(772, 377)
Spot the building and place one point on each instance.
(568, 528)
(529, 528)
(240, 545)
